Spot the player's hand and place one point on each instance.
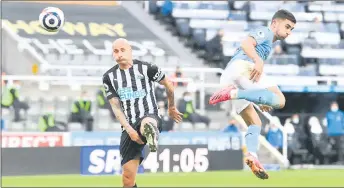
(257, 70)
(134, 136)
(265, 108)
(175, 114)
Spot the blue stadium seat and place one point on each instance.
(183, 27)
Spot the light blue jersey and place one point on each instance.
(264, 36)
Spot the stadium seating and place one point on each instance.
(198, 22)
(314, 49)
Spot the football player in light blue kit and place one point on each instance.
(245, 83)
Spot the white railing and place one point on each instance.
(284, 157)
(282, 80)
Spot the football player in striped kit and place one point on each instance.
(129, 87)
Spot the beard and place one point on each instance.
(280, 37)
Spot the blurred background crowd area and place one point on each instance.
(52, 82)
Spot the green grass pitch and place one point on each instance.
(286, 178)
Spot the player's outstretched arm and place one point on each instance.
(117, 109)
(172, 110)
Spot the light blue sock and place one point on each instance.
(252, 138)
(262, 96)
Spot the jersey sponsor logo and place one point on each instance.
(127, 93)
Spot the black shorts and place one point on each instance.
(129, 149)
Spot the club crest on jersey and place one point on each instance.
(139, 77)
(261, 34)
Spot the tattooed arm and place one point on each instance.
(117, 110)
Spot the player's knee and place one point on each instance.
(149, 120)
(281, 101)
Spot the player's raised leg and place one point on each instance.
(271, 96)
(149, 129)
(254, 123)
(129, 171)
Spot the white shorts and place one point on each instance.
(238, 73)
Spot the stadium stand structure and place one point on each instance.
(308, 65)
(320, 29)
(312, 55)
(81, 50)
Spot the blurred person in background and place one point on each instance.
(177, 74)
(102, 103)
(289, 127)
(81, 111)
(214, 48)
(185, 106)
(275, 136)
(315, 126)
(10, 98)
(300, 133)
(2, 124)
(278, 51)
(309, 42)
(160, 94)
(48, 123)
(232, 126)
(335, 129)
(166, 11)
(316, 137)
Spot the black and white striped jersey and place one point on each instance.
(135, 88)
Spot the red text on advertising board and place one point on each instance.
(32, 140)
